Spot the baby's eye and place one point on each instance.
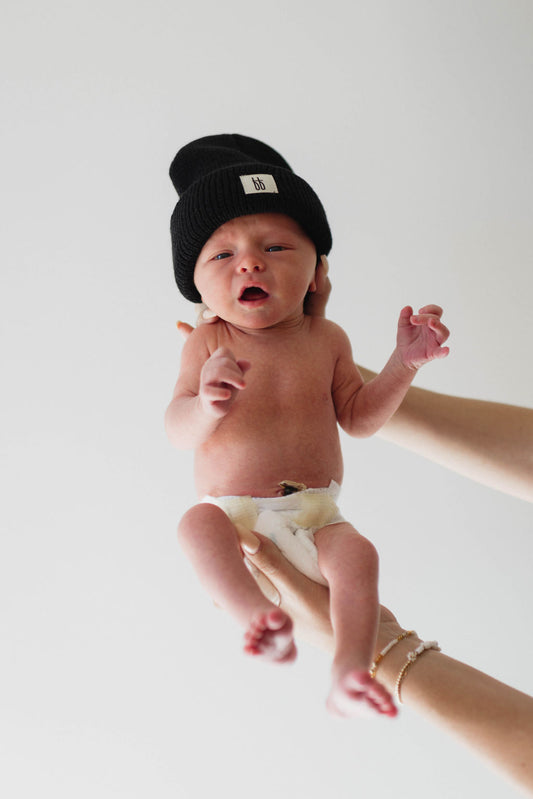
(221, 255)
(275, 248)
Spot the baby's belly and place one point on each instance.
(257, 465)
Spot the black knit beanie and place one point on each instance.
(219, 178)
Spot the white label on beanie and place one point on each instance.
(258, 184)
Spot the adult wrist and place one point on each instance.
(390, 666)
(405, 656)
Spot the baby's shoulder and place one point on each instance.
(201, 343)
(327, 330)
(208, 337)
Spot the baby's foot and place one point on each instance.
(355, 693)
(270, 635)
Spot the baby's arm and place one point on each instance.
(362, 408)
(206, 389)
(421, 336)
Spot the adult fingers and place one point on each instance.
(316, 301)
(184, 329)
(204, 315)
(266, 557)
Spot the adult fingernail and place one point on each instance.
(208, 314)
(249, 542)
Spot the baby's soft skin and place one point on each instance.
(259, 397)
(287, 378)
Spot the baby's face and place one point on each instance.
(255, 270)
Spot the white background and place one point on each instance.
(413, 121)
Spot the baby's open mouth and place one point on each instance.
(252, 293)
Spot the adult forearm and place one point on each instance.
(492, 718)
(489, 442)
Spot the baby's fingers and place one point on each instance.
(216, 393)
(222, 367)
(228, 377)
(405, 316)
(433, 323)
(435, 310)
(442, 352)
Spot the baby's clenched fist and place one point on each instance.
(221, 378)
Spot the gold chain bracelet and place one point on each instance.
(412, 657)
(385, 650)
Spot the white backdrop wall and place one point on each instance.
(414, 122)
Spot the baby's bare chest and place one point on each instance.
(287, 377)
(282, 423)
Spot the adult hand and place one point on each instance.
(307, 602)
(315, 302)
(204, 316)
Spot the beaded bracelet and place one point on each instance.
(385, 650)
(411, 658)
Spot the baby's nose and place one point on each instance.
(250, 265)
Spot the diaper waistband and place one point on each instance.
(316, 506)
(288, 502)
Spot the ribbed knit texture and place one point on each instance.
(206, 174)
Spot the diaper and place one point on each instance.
(290, 521)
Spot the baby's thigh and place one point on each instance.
(204, 521)
(341, 542)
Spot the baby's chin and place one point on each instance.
(252, 316)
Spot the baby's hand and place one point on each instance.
(421, 336)
(221, 378)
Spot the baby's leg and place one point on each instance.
(209, 539)
(349, 563)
